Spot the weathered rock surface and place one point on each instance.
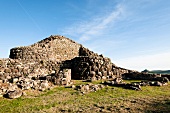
(55, 53)
(14, 94)
(118, 82)
(41, 83)
(89, 88)
(139, 76)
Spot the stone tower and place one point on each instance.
(56, 48)
(57, 53)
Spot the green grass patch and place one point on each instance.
(113, 99)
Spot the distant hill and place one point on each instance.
(158, 71)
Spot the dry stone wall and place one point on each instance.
(56, 48)
(140, 76)
(55, 53)
(16, 68)
(90, 65)
(55, 61)
(95, 68)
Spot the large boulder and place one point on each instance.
(14, 94)
(89, 88)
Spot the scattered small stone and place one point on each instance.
(73, 86)
(118, 82)
(24, 93)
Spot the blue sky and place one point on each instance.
(135, 34)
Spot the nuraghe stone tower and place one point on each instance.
(55, 61)
(56, 53)
(56, 48)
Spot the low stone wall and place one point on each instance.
(118, 82)
(166, 75)
(140, 76)
(11, 68)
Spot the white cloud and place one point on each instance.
(96, 26)
(126, 31)
(159, 61)
(99, 26)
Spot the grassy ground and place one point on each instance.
(110, 99)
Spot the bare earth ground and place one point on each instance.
(151, 99)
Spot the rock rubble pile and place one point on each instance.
(15, 86)
(118, 82)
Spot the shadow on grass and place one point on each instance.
(159, 107)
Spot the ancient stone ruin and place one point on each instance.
(52, 55)
(53, 61)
